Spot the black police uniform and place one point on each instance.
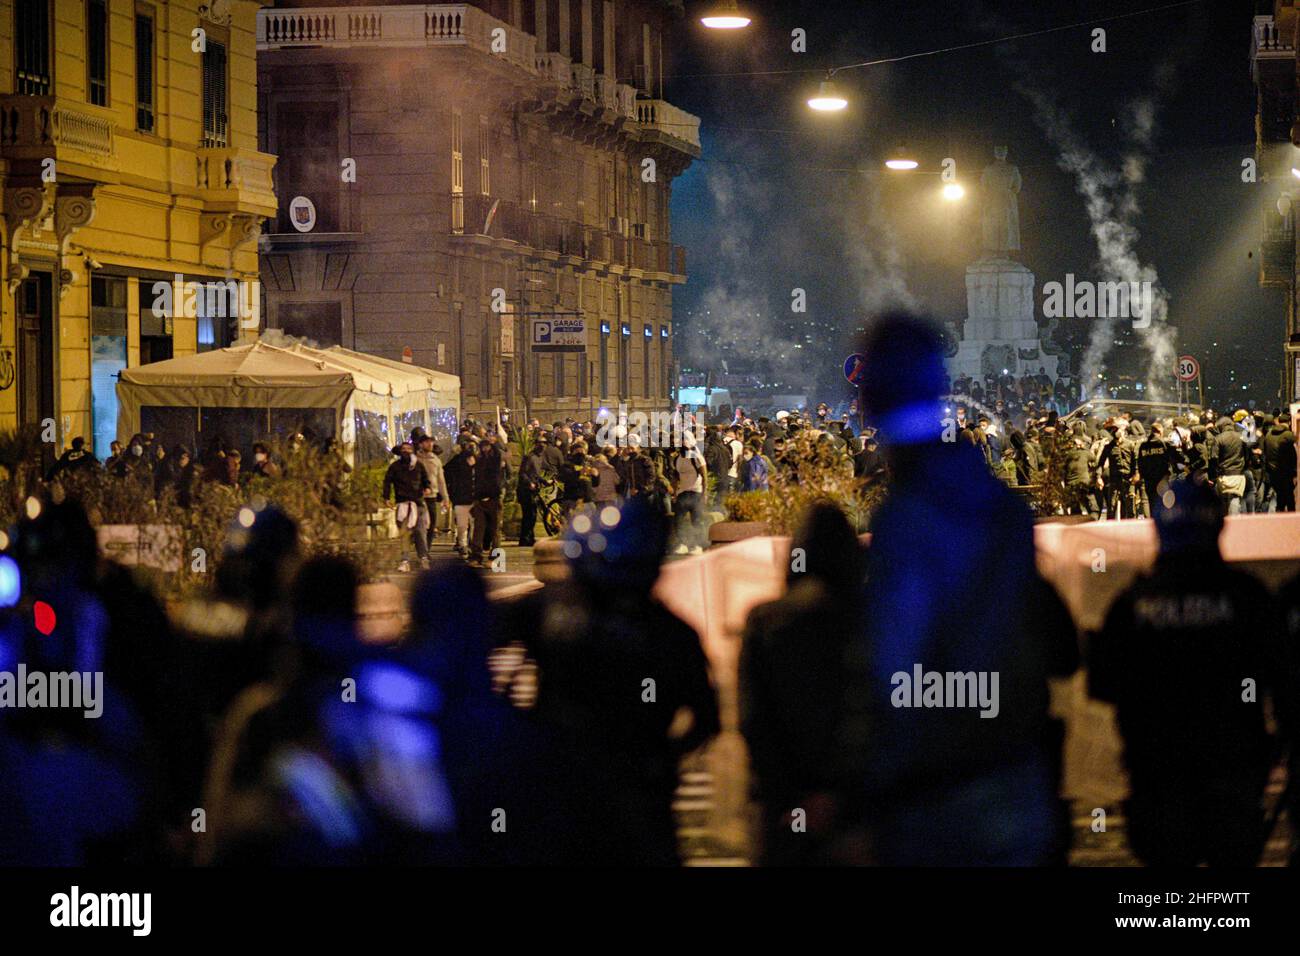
(1175, 657)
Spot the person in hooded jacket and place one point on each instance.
(944, 785)
(461, 476)
(1280, 461)
(604, 483)
(691, 479)
(1200, 452)
(1228, 468)
(407, 483)
(427, 453)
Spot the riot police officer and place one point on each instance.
(1187, 655)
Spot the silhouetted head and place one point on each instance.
(260, 553)
(618, 547)
(55, 543)
(1189, 518)
(903, 378)
(451, 628)
(829, 547)
(323, 599)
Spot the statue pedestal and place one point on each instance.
(1000, 325)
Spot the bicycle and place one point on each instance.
(548, 505)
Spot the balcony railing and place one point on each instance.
(43, 123)
(1268, 43)
(236, 177)
(446, 24)
(583, 79)
(516, 222)
(554, 67)
(669, 120)
(459, 24)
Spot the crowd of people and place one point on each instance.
(177, 472)
(253, 726)
(1114, 467)
(1008, 396)
(464, 491)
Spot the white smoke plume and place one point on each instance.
(739, 316)
(871, 249)
(1111, 201)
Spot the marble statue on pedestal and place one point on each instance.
(1000, 213)
(1001, 331)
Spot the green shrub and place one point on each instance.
(317, 489)
(823, 471)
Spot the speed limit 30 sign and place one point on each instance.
(1188, 368)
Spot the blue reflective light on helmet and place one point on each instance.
(11, 582)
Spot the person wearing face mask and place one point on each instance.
(406, 482)
(461, 475)
(263, 466)
(132, 460)
(754, 477)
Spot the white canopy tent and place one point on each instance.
(245, 393)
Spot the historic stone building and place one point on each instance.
(458, 180)
(1274, 66)
(128, 156)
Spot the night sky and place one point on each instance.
(786, 198)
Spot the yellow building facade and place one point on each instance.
(133, 198)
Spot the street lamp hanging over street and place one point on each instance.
(953, 192)
(901, 159)
(828, 98)
(724, 15)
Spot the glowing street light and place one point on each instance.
(901, 160)
(828, 98)
(725, 15)
(953, 191)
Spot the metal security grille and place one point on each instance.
(214, 95)
(32, 46)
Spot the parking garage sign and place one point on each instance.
(559, 334)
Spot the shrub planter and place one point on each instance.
(725, 532)
(548, 561)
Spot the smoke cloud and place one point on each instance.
(1111, 200)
